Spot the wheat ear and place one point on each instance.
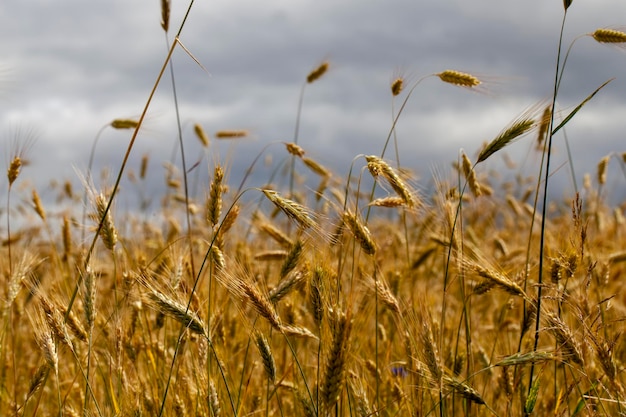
(336, 363)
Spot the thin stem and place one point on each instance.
(545, 202)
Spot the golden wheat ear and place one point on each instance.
(458, 78)
(318, 72)
(605, 35)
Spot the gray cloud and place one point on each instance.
(76, 66)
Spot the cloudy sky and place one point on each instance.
(70, 67)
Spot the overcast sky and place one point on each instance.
(70, 67)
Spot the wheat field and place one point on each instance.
(362, 295)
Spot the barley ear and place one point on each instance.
(201, 134)
(38, 206)
(293, 210)
(214, 204)
(336, 363)
(461, 79)
(360, 232)
(609, 36)
(470, 176)
(14, 170)
(318, 72)
(506, 137)
(124, 124)
(165, 14)
(108, 233)
(231, 134)
(213, 400)
(397, 86)
(602, 166)
(266, 356)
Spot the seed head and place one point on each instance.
(124, 124)
(201, 134)
(294, 149)
(602, 165)
(231, 134)
(37, 205)
(397, 86)
(318, 72)
(165, 14)
(609, 36)
(293, 210)
(14, 169)
(462, 79)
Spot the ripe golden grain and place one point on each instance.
(292, 210)
(201, 135)
(609, 36)
(124, 124)
(336, 363)
(397, 86)
(360, 232)
(275, 233)
(318, 72)
(496, 278)
(271, 255)
(177, 311)
(470, 176)
(388, 202)
(67, 237)
(165, 14)
(294, 149)
(37, 206)
(544, 125)
(570, 348)
(14, 169)
(143, 168)
(292, 259)
(231, 134)
(214, 204)
(378, 166)
(316, 167)
(108, 233)
(266, 356)
(602, 167)
(461, 79)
